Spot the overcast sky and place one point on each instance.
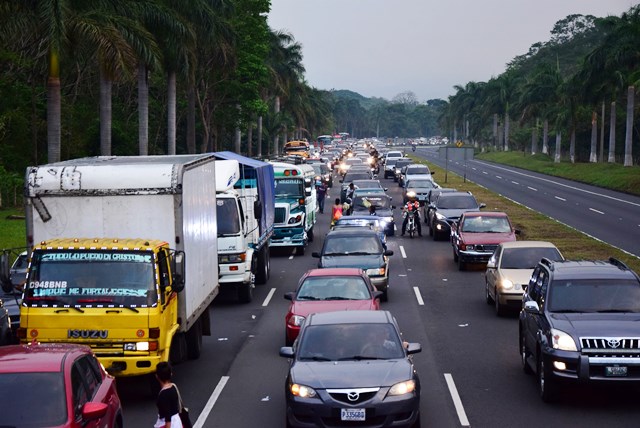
(380, 48)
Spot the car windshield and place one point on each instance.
(333, 288)
(457, 202)
(352, 244)
(320, 168)
(289, 187)
(362, 203)
(527, 258)
(88, 278)
(486, 224)
(344, 342)
(20, 392)
(420, 184)
(594, 295)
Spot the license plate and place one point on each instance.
(615, 371)
(352, 414)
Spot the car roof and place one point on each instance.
(38, 357)
(350, 317)
(335, 272)
(589, 269)
(527, 244)
(351, 231)
(485, 214)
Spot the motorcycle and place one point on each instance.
(411, 223)
(413, 148)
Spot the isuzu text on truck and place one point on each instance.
(123, 257)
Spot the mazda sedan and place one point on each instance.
(327, 290)
(351, 368)
(56, 385)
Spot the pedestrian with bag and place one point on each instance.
(171, 410)
(336, 211)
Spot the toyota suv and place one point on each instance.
(579, 323)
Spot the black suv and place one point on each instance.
(579, 322)
(446, 209)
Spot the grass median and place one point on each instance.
(534, 226)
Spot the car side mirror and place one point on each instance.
(385, 188)
(315, 254)
(287, 352)
(388, 252)
(531, 307)
(413, 348)
(517, 231)
(377, 294)
(482, 205)
(491, 265)
(433, 172)
(257, 209)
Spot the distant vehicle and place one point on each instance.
(509, 269)
(353, 369)
(326, 290)
(416, 172)
(421, 188)
(476, 235)
(448, 208)
(297, 148)
(57, 385)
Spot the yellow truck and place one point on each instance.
(123, 257)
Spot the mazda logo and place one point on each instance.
(353, 396)
(614, 343)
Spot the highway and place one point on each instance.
(469, 367)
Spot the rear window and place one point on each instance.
(352, 245)
(527, 258)
(31, 400)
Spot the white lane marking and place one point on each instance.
(418, 296)
(474, 169)
(596, 211)
(562, 199)
(269, 296)
(497, 176)
(202, 417)
(558, 183)
(515, 182)
(456, 400)
(532, 188)
(291, 256)
(404, 255)
(485, 172)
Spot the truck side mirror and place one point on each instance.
(178, 271)
(5, 279)
(257, 209)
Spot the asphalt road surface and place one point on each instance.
(469, 367)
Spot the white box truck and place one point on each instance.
(123, 257)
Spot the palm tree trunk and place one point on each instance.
(593, 156)
(612, 134)
(495, 131)
(556, 157)
(601, 155)
(545, 137)
(171, 113)
(259, 142)
(143, 110)
(628, 140)
(534, 139)
(191, 120)
(105, 114)
(506, 132)
(250, 138)
(276, 109)
(572, 145)
(53, 109)
(237, 140)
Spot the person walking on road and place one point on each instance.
(168, 401)
(336, 211)
(321, 194)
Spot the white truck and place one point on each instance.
(246, 210)
(123, 257)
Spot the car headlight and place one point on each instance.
(376, 272)
(302, 391)
(506, 284)
(136, 346)
(561, 340)
(402, 388)
(468, 247)
(441, 217)
(296, 320)
(232, 258)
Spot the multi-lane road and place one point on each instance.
(469, 366)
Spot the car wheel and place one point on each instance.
(461, 265)
(547, 387)
(487, 296)
(417, 423)
(524, 356)
(385, 296)
(455, 255)
(500, 309)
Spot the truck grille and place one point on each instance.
(611, 346)
(280, 215)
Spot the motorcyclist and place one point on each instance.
(413, 148)
(412, 205)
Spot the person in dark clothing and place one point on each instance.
(168, 401)
(321, 194)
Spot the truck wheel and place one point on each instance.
(178, 351)
(194, 340)
(245, 293)
(263, 265)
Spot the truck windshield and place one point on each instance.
(91, 278)
(289, 188)
(228, 218)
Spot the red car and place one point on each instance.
(56, 385)
(327, 290)
(476, 235)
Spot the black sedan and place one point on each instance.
(378, 205)
(351, 368)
